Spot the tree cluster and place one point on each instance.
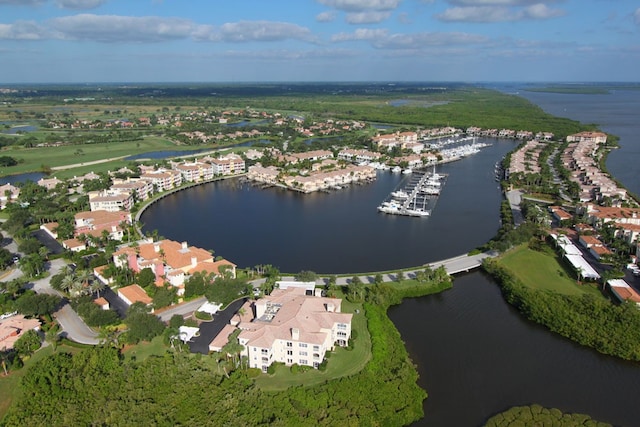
(590, 321)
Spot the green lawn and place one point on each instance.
(142, 351)
(32, 159)
(543, 271)
(342, 362)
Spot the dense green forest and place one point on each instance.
(608, 328)
(98, 387)
(536, 415)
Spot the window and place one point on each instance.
(289, 353)
(303, 345)
(264, 351)
(316, 355)
(342, 326)
(303, 353)
(316, 348)
(265, 359)
(303, 362)
(342, 334)
(289, 344)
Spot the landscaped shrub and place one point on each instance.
(201, 315)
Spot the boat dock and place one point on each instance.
(415, 197)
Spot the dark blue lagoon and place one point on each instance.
(22, 177)
(478, 356)
(339, 232)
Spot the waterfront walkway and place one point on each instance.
(455, 265)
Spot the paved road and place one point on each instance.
(95, 162)
(454, 265)
(182, 309)
(73, 327)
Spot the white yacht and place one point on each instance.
(400, 194)
(396, 169)
(390, 207)
(407, 171)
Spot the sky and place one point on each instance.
(84, 41)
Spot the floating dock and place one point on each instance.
(415, 197)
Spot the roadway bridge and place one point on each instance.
(462, 263)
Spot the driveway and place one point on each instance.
(515, 197)
(209, 330)
(48, 241)
(183, 309)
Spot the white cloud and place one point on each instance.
(361, 34)
(420, 40)
(22, 30)
(279, 54)
(361, 5)
(541, 11)
(381, 39)
(498, 13)
(79, 4)
(368, 17)
(326, 17)
(114, 28)
(248, 31)
(477, 14)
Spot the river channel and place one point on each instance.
(475, 354)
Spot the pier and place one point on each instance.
(418, 196)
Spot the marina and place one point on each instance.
(416, 195)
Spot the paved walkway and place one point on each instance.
(515, 197)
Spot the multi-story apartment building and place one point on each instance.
(291, 327)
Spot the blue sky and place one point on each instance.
(318, 40)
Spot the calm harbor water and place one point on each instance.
(340, 232)
(476, 355)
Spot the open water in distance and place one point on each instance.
(340, 232)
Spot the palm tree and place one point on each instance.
(83, 277)
(96, 286)
(68, 283)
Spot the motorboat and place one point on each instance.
(400, 194)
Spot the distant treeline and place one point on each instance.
(459, 105)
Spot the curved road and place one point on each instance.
(73, 327)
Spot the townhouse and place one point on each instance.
(8, 193)
(171, 262)
(163, 179)
(140, 188)
(109, 200)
